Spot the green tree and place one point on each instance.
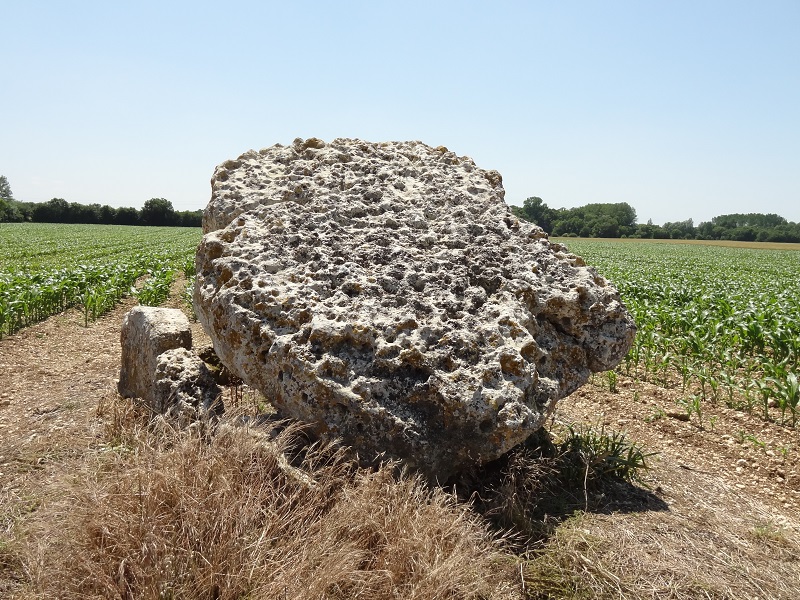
(681, 230)
(55, 210)
(107, 214)
(605, 227)
(126, 215)
(736, 220)
(600, 215)
(5, 188)
(189, 218)
(9, 211)
(535, 210)
(592, 220)
(158, 211)
(83, 213)
(572, 224)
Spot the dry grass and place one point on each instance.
(152, 512)
(169, 514)
(599, 556)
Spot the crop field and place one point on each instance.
(47, 268)
(722, 324)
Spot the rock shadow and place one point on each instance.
(539, 484)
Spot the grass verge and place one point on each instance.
(164, 513)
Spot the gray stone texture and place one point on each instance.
(184, 388)
(147, 331)
(159, 367)
(384, 294)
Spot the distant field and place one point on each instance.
(47, 268)
(722, 243)
(720, 321)
(37, 246)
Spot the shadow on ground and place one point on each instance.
(528, 492)
(532, 489)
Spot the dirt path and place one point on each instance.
(52, 376)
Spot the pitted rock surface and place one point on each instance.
(384, 294)
(184, 387)
(344, 170)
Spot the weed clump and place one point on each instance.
(530, 490)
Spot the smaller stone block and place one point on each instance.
(148, 332)
(184, 387)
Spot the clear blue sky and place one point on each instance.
(683, 109)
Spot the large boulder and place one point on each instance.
(384, 294)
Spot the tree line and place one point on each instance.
(156, 211)
(599, 220)
(618, 220)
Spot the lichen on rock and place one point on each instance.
(384, 294)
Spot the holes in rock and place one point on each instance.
(389, 286)
(529, 351)
(351, 289)
(301, 317)
(486, 425)
(225, 276)
(389, 352)
(417, 282)
(448, 364)
(213, 250)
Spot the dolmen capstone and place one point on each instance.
(384, 294)
(159, 367)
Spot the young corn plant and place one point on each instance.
(764, 388)
(693, 405)
(157, 287)
(787, 394)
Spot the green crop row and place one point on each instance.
(39, 246)
(722, 323)
(93, 267)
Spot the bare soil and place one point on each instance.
(727, 526)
